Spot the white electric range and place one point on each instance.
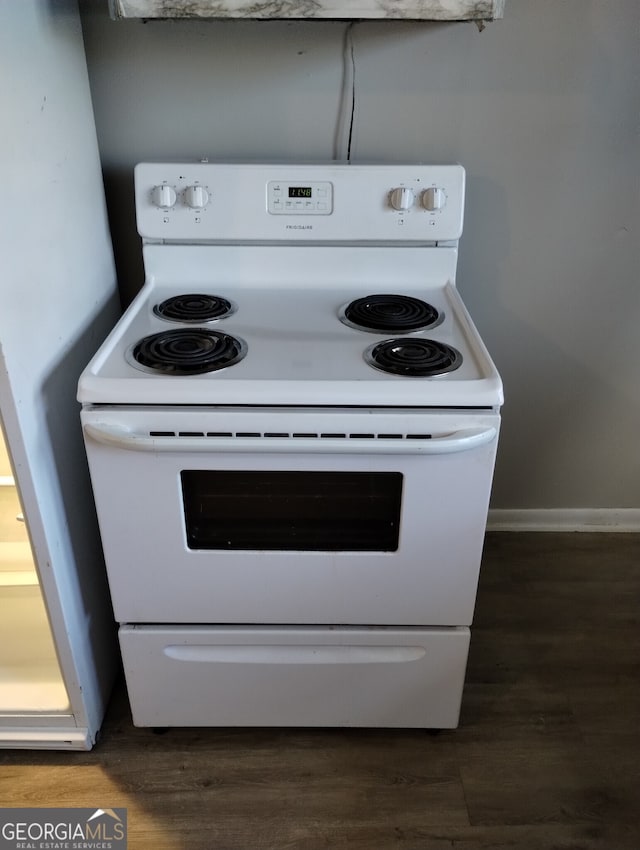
(291, 435)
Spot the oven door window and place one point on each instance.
(294, 511)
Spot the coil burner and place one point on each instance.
(194, 308)
(390, 314)
(413, 357)
(187, 351)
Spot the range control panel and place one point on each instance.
(330, 202)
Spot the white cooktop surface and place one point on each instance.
(298, 350)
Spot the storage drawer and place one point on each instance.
(294, 676)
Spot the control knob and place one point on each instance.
(401, 198)
(196, 197)
(163, 196)
(433, 198)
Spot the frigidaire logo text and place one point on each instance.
(299, 227)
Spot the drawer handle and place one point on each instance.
(282, 654)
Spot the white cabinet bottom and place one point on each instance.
(294, 676)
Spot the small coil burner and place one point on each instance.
(194, 308)
(390, 314)
(187, 351)
(413, 357)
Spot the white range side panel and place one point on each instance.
(261, 676)
(58, 299)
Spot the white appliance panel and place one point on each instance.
(58, 292)
(295, 676)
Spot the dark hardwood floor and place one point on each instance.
(546, 757)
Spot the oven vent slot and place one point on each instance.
(286, 435)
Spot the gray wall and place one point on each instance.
(541, 108)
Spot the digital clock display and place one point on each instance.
(299, 191)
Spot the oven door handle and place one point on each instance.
(456, 441)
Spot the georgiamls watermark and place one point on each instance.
(63, 829)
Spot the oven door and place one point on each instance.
(305, 516)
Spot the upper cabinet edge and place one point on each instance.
(416, 10)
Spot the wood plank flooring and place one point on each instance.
(547, 754)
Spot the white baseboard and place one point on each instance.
(565, 519)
